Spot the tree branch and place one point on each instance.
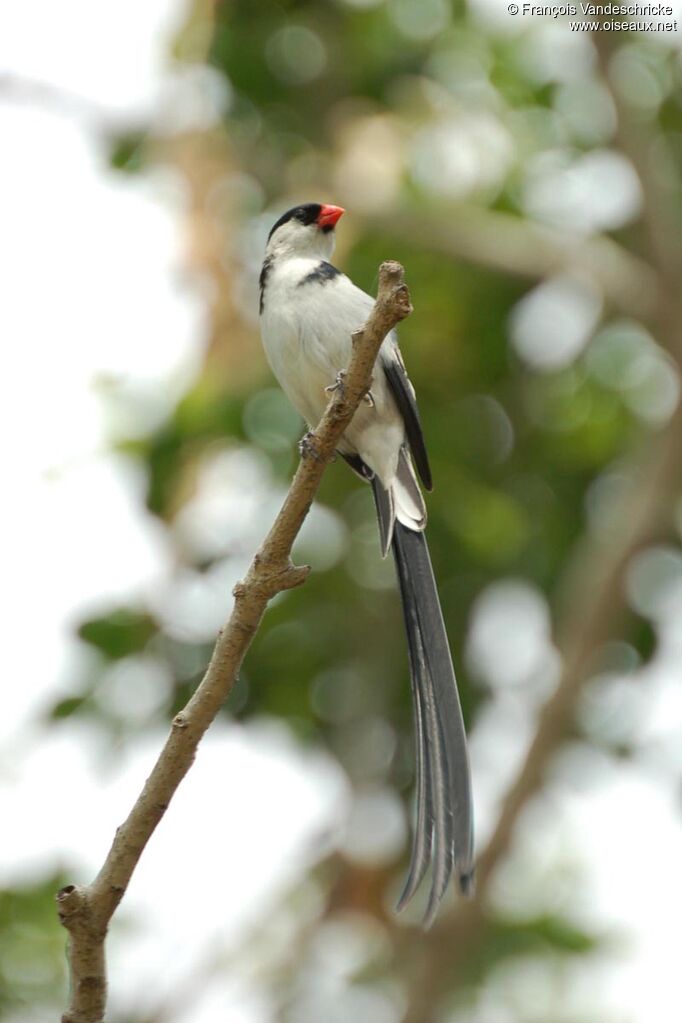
(86, 910)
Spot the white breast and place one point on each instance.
(306, 328)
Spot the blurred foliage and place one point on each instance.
(119, 634)
(127, 152)
(404, 112)
(32, 965)
(537, 936)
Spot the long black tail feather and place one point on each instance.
(443, 835)
(424, 752)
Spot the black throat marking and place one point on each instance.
(322, 273)
(262, 280)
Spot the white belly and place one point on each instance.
(306, 331)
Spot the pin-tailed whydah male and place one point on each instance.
(308, 311)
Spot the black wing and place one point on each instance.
(403, 393)
(358, 466)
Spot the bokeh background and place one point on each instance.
(528, 177)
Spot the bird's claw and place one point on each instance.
(338, 384)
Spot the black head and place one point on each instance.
(310, 213)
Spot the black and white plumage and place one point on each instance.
(309, 310)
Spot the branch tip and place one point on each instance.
(391, 274)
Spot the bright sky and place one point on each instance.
(91, 265)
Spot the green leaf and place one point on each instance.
(507, 938)
(122, 632)
(127, 152)
(65, 708)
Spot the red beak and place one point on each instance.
(329, 215)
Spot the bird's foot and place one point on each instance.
(368, 399)
(306, 446)
(338, 384)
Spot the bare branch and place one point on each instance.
(86, 910)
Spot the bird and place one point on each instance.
(308, 312)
